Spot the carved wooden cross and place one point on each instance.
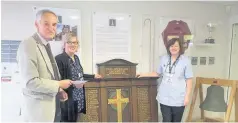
(118, 101)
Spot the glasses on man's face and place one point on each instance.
(72, 43)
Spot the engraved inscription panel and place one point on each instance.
(117, 68)
(117, 71)
(92, 105)
(143, 105)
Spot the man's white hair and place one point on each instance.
(40, 13)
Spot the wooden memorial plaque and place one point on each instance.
(119, 96)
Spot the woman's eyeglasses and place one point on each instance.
(70, 42)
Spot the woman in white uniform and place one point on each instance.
(176, 85)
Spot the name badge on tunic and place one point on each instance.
(80, 76)
(168, 77)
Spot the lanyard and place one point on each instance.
(174, 64)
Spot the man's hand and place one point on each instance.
(63, 95)
(65, 83)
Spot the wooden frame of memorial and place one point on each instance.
(120, 96)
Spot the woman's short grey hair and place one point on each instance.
(40, 13)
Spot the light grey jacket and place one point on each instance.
(39, 87)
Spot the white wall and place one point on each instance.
(234, 51)
(18, 18)
(234, 20)
(13, 17)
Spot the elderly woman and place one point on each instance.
(175, 88)
(70, 68)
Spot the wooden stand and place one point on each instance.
(220, 82)
(119, 96)
(121, 100)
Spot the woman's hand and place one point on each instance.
(97, 76)
(153, 74)
(186, 100)
(189, 86)
(141, 75)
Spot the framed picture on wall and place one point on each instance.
(62, 30)
(203, 60)
(194, 60)
(211, 60)
(171, 27)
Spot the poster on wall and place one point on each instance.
(8, 59)
(111, 37)
(175, 28)
(69, 21)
